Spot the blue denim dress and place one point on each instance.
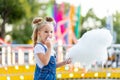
(48, 72)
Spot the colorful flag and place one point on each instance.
(71, 24)
(77, 25)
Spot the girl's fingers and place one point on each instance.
(68, 61)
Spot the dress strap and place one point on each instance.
(43, 46)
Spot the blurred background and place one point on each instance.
(73, 19)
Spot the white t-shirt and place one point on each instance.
(39, 49)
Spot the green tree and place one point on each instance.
(90, 16)
(116, 25)
(11, 11)
(22, 33)
(15, 11)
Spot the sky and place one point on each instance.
(100, 7)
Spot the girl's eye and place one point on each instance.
(46, 31)
(51, 31)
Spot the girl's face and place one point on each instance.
(47, 31)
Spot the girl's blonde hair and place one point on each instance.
(39, 22)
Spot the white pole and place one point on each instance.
(3, 55)
(9, 55)
(31, 57)
(20, 57)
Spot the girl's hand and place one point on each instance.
(68, 61)
(48, 43)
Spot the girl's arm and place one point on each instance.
(67, 61)
(45, 57)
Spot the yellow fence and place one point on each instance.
(25, 72)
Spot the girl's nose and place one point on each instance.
(49, 34)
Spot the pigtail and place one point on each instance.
(51, 20)
(36, 22)
(34, 37)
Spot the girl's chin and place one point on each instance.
(43, 41)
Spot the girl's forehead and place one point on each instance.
(48, 26)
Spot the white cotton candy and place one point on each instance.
(92, 46)
(51, 38)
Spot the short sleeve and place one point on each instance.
(39, 49)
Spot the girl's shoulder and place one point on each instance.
(40, 47)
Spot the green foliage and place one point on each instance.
(22, 34)
(116, 23)
(11, 10)
(90, 16)
(17, 13)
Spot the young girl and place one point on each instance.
(43, 53)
